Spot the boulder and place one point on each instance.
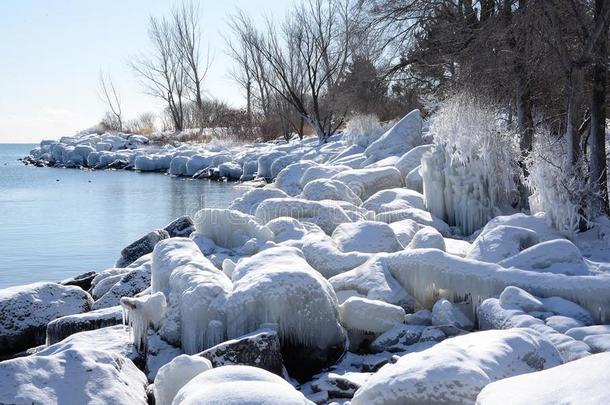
(60, 328)
(26, 310)
(516, 297)
(182, 226)
(176, 374)
(402, 137)
(257, 349)
(130, 284)
(82, 280)
(446, 313)
(366, 237)
(142, 246)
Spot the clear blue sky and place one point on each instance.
(53, 50)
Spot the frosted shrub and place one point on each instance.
(555, 189)
(363, 129)
(473, 173)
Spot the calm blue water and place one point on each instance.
(55, 223)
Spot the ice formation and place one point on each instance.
(362, 314)
(420, 216)
(168, 255)
(176, 374)
(366, 182)
(239, 385)
(426, 272)
(289, 179)
(456, 370)
(142, 312)
(278, 286)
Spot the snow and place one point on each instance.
(286, 228)
(366, 236)
(578, 382)
(323, 254)
(289, 179)
(420, 216)
(414, 180)
(404, 230)
(537, 223)
(427, 237)
(580, 333)
(456, 370)
(558, 256)
(229, 228)
(501, 242)
(238, 385)
(320, 172)
(326, 189)
(445, 313)
(399, 139)
(515, 296)
(176, 374)
(366, 182)
(362, 314)
(412, 159)
(394, 199)
(168, 255)
(562, 323)
(249, 202)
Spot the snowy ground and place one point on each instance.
(332, 283)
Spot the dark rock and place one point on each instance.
(60, 328)
(182, 226)
(399, 335)
(258, 349)
(26, 310)
(303, 361)
(118, 164)
(82, 280)
(340, 386)
(142, 246)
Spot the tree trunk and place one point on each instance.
(598, 163)
(573, 98)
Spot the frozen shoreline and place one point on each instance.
(336, 267)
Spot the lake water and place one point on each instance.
(56, 223)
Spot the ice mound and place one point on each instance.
(366, 237)
(176, 374)
(170, 254)
(239, 385)
(456, 370)
(362, 314)
(230, 229)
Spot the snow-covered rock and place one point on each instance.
(362, 314)
(500, 243)
(562, 323)
(230, 229)
(239, 385)
(404, 230)
(394, 199)
(456, 370)
(414, 180)
(583, 381)
(537, 223)
(60, 328)
(415, 214)
(402, 137)
(170, 254)
(366, 236)
(412, 159)
(320, 172)
(230, 170)
(327, 189)
(400, 335)
(265, 161)
(181, 226)
(249, 202)
(323, 254)
(446, 313)
(26, 310)
(427, 237)
(129, 284)
(515, 296)
(289, 179)
(175, 375)
(366, 182)
(554, 256)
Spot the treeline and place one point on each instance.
(544, 62)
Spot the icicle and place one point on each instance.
(142, 312)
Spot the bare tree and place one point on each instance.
(187, 39)
(161, 70)
(305, 58)
(111, 97)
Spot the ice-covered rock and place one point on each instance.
(278, 286)
(257, 349)
(82, 280)
(323, 254)
(394, 199)
(265, 161)
(598, 343)
(554, 256)
(239, 385)
(456, 370)
(583, 381)
(229, 228)
(26, 310)
(60, 328)
(177, 166)
(500, 243)
(230, 170)
(412, 159)
(128, 285)
(167, 256)
(327, 189)
(363, 314)
(516, 297)
(326, 214)
(421, 317)
(140, 247)
(404, 230)
(415, 214)
(537, 223)
(176, 374)
(427, 237)
(249, 202)
(320, 172)
(414, 180)
(402, 137)
(152, 163)
(400, 335)
(561, 306)
(446, 313)
(366, 236)
(181, 226)
(366, 182)
(286, 228)
(562, 323)
(582, 332)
